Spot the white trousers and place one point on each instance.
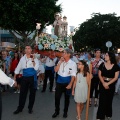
(117, 85)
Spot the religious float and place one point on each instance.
(53, 44)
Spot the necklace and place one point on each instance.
(26, 61)
(64, 67)
(79, 77)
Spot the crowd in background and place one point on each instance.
(10, 59)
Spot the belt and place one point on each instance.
(107, 79)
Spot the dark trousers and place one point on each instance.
(0, 106)
(61, 88)
(94, 86)
(48, 74)
(27, 83)
(105, 102)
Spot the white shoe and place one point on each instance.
(53, 89)
(16, 91)
(41, 83)
(38, 88)
(109, 118)
(78, 118)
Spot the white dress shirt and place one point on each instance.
(49, 62)
(26, 63)
(68, 69)
(4, 79)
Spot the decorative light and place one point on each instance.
(38, 26)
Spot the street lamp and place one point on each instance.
(72, 30)
(0, 40)
(37, 28)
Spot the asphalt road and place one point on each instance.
(44, 108)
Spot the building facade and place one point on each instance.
(6, 40)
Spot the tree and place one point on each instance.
(20, 16)
(95, 32)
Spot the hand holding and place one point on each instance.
(15, 84)
(106, 86)
(32, 56)
(68, 87)
(61, 59)
(73, 92)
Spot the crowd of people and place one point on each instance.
(69, 74)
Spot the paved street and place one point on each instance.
(44, 108)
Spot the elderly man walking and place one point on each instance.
(66, 70)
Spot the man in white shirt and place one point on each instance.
(66, 69)
(29, 65)
(49, 73)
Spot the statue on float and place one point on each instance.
(60, 26)
(59, 38)
(57, 25)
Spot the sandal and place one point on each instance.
(95, 104)
(90, 104)
(78, 118)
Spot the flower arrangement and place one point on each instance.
(52, 42)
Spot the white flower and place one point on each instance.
(61, 49)
(46, 45)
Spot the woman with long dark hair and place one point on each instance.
(108, 75)
(14, 63)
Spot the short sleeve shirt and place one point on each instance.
(95, 65)
(109, 73)
(68, 69)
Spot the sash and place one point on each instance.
(61, 79)
(31, 72)
(50, 68)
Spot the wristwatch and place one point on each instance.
(33, 61)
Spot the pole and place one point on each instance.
(19, 47)
(88, 99)
(0, 40)
(37, 36)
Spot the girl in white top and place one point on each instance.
(80, 87)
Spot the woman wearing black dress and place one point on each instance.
(108, 74)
